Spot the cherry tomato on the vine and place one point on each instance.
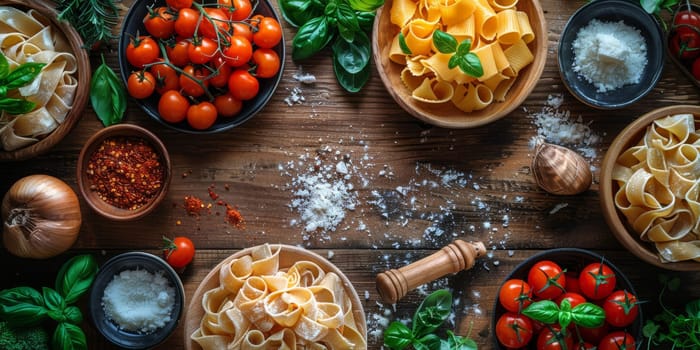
(621, 308)
(172, 106)
(515, 295)
(186, 22)
(189, 84)
(214, 23)
(617, 340)
(239, 51)
(267, 62)
(236, 10)
(166, 77)
(268, 33)
(513, 330)
(242, 29)
(597, 280)
(553, 338)
(202, 115)
(141, 51)
(178, 252)
(179, 4)
(686, 21)
(141, 84)
(159, 22)
(221, 72)
(242, 85)
(547, 280)
(201, 50)
(177, 52)
(227, 106)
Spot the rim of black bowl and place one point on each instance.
(133, 22)
(582, 257)
(106, 327)
(627, 11)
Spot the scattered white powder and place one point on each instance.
(609, 55)
(322, 200)
(139, 301)
(296, 95)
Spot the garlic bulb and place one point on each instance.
(41, 217)
(559, 170)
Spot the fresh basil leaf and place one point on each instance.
(456, 342)
(16, 105)
(298, 12)
(545, 311)
(444, 42)
(75, 277)
(355, 56)
(432, 312)
(471, 65)
(107, 95)
(53, 300)
(588, 315)
(651, 6)
(366, 5)
(365, 19)
(4, 67)
(428, 342)
(22, 306)
(349, 81)
(348, 25)
(397, 336)
(402, 44)
(311, 37)
(68, 336)
(23, 75)
(73, 315)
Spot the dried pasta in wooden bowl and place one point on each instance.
(275, 297)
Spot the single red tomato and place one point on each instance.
(177, 52)
(547, 280)
(172, 106)
(193, 81)
(166, 77)
(242, 29)
(159, 22)
(202, 115)
(220, 72)
(178, 252)
(141, 51)
(513, 330)
(186, 22)
(617, 340)
(573, 298)
(553, 338)
(242, 85)
(214, 23)
(269, 33)
(141, 84)
(597, 281)
(685, 46)
(593, 335)
(227, 106)
(515, 295)
(202, 50)
(267, 63)
(236, 10)
(686, 21)
(239, 51)
(179, 4)
(621, 308)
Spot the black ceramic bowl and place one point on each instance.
(108, 328)
(632, 15)
(133, 23)
(572, 260)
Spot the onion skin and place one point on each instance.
(41, 217)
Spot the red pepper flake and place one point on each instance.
(193, 205)
(234, 217)
(213, 195)
(126, 172)
(226, 187)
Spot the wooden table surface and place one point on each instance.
(417, 188)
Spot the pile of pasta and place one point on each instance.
(499, 33)
(258, 305)
(659, 191)
(30, 37)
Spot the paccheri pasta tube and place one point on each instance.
(499, 33)
(659, 187)
(260, 305)
(30, 37)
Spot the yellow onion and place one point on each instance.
(41, 217)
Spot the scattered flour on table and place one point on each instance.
(296, 94)
(609, 55)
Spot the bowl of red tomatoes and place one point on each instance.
(567, 298)
(201, 67)
(683, 40)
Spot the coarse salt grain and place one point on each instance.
(139, 301)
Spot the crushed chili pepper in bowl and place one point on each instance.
(123, 172)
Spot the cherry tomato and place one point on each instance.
(166, 78)
(227, 106)
(179, 4)
(515, 295)
(202, 115)
(186, 22)
(617, 340)
(242, 29)
(695, 68)
(236, 10)
(572, 282)
(159, 22)
(621, 308)
(214, 23)
(242, 85)
(221, 72)
(267, 63)
(239, 52)
(552, 338)
(189, 85)
(177, 52)
(141, 84)
(513, 330)
(546, 279)
(593, 335)
(202, 50)
(178, 252)
(597, 281)
(269, 33)
(172, 106)
(685, 46)
(141, 51)
(686, 21)
(573, 298)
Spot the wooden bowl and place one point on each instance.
(91, 197)
(616, 221)
(83, 75)
(446, 114)
(287, 257)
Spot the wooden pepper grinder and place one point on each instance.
(459, 255)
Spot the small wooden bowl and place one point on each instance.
(93, 200)
(616, 221)
(287, 257)
(83, 75)
(446, 114)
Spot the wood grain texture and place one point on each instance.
(404, 209)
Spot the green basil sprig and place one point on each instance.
(107, 95)
(468, 62)
(343, 24)
(25, 306)
(586, 314)
(428, 318)
(16, 78)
